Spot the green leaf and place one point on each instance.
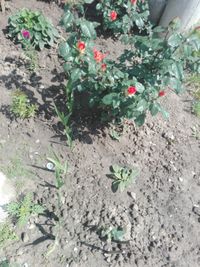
(67, 19)
(164, 113)
(115, 185)
(67, 67)
(88, 1)
(140, 120)
(75, 75)
(108, 99)
(122, 186)
(176, 69)
(139, 87)
(88, 29)
(154, 109)
(115, 168)
(41, 44)
(117, 234)
(64, 50)
(175, 40)
(98, 6)
(142, 105)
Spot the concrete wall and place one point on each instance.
(163, 11)
(187, 10)
(157, 8)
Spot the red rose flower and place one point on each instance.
(113, 15)
(81, 46)
(131, 90)
(161, 93)
(98, 56)
(134, 2)
(103, 67)
(26, 34)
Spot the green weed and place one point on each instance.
(122, 177)
(24, 209)
(21, 106)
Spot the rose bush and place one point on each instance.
(121, 16)
(133, 84)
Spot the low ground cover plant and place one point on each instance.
(21, 106)
(6, 234)
(41, 30)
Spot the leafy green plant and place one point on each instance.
(21, 106)
(121, 16)
(122, 176)
(24, 209)
(42, 31)
(6, 234)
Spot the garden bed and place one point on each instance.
(159, 212)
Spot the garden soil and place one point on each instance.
(159, 212)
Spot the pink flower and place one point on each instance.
(81, 46)
(26, 34)
(131, 90)
(113, 15)
(134, 2)
(161, 93)
(98, 56)
(103, 67)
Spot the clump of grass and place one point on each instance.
(15, 169)
(6, 234)
(21, 106)
(195, 81)
(196, 108)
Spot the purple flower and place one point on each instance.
(26, 34)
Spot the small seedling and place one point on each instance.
(60, 172)
(65, 120)
(111, 233)
(122, 177)
(24, 209)
(6, 234)
(21, 106)
(195, 132)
